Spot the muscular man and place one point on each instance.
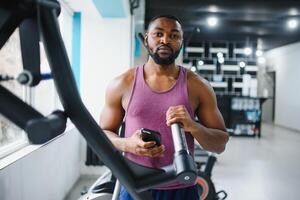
(154, 96)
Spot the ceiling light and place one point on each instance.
(198, 30)
(193, 69)
(213, 8)
(220, 55)
(292, 23)
(212, 21)
(221, 60)
(261, 60)
(242, 64)
(200, 62)
(293, 11)
(247, 51)
(259, 53)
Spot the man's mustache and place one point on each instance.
(165, 46)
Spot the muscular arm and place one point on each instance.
(112, 114)
(211, 131)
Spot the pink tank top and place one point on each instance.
(147, 109)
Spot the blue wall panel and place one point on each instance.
(76, 47)
(110, 8)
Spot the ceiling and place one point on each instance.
(239, 20)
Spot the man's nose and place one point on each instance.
(165, 39)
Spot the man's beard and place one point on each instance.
(163, 61)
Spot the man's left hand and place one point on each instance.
(179, 114)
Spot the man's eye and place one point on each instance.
(158, 34)
(174, 36)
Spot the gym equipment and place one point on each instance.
(103, 187)
(25, 78)
(107, 187)
(204, 172)
(6, 77)
(39, 21)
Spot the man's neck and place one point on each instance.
(152, 68)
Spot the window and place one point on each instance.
(43, 97)
(11, 137)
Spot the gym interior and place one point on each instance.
(249, 52)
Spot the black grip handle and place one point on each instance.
(42, 130)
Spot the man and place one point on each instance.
(156, 95)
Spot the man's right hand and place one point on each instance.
(135, 145)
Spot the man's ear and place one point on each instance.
(182, 43)
(146, 39)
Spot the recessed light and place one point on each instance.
(247, 51)
(242, 64)
(261, 60)
(221, 60)
(293, 11)
(213, 8)
(193, 69)
(200, 62)
(259, 53)
(212, 21)
(220, 55)
(292, 23)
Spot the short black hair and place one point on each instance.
(163, 16)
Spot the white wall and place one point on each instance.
(105, 54)
(47, 173)
(286, 62)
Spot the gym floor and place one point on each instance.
(251, 168)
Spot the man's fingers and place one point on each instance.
(174, 115)
(148, 144)
(154, 152)
(174, 120)
(142, 151)
(176, 108)
(158, 151)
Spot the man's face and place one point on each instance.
(164, 40)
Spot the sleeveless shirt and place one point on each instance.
(147, 109)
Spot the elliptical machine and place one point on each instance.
(41, 17)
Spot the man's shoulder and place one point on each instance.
(196, 80)
(199, 87)
(122, 81)
(126, 76)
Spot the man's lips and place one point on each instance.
(164, 50)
